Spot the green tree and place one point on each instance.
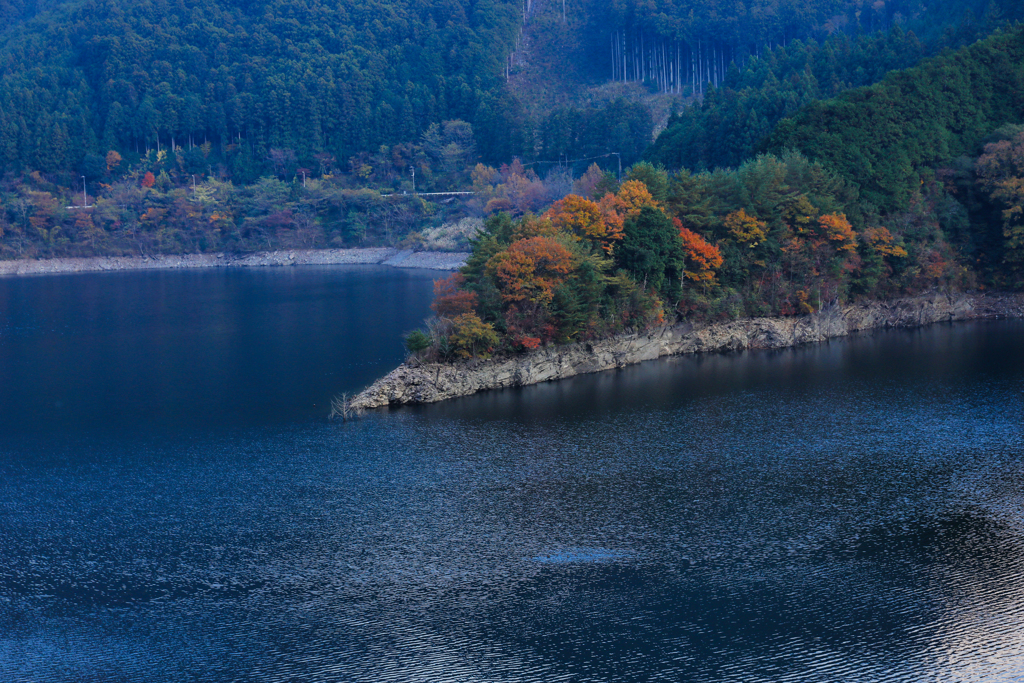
(652, 252)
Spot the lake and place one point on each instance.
(175, 506)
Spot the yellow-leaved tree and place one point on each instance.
(471, 336)
(745, 229)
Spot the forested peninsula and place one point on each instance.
(886, 211)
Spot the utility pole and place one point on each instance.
(303, 179)
(412, 169)
(193, 186)
(85, 197)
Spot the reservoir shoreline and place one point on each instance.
(429, 382)
(430, 260)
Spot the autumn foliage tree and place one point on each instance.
(632, 196)
(530, 269)
(450, 300)
(702, 258)
(838, 231)
(601, 222)
(578, 216)
(745, 229)
(470, 336)
(881, 241)
(113, 160)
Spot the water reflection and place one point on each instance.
(205, 347)
(935, 356)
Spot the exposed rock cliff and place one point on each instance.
(429, 382)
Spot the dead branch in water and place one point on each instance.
(341, 408)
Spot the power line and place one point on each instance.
(573, 161)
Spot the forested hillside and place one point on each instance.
(911, 184)
(318, 80)
(729, 123)
(338, 79)
(678, 44)
(290, 123)
(883, 137)
(13, 12)
(244, 78)
(912, 145)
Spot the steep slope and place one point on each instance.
(883, 137)
(727, 126)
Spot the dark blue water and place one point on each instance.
(174, 506)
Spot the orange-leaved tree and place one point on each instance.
(836, 229)
(602, 222)
(578, 216)
(450, 299)
(533, 226)
(113, 160)
(586, 219)
(702, 257)
(881, 240)
(530, 270)
(632, 196)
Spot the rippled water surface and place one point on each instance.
(850, 511)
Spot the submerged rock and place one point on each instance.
(414, 382)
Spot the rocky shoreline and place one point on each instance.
(414, 382)
(431, 260)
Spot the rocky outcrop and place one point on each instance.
(429, 382)
(433, 260)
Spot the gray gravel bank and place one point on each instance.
(432, 260)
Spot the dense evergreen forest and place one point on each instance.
(229, 83)
(245, 78)
(319, 80)
(727, 125)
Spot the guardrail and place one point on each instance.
(424, 194)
